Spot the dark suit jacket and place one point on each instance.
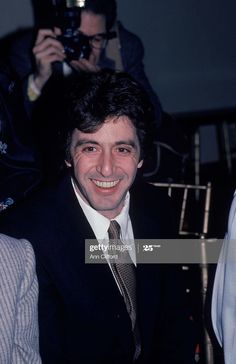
(82, 316)
(17, 155)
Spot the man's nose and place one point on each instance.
(106, 164)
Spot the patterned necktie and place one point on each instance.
(126, 278)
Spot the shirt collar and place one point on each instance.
(100, 223)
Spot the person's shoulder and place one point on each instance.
(15, 251)
(10, 244)
(149, 195)
(155, 205)
(23, 38)
(21, 58)
(145, 191)
(45, 195)
(39, 210)
(128, 37)
(151, 199)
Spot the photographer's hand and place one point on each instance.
(47, 50)
(87, 65)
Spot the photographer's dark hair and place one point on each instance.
(95, 97)
(108, 8)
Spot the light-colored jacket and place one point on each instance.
(18, 303)
(224, 292)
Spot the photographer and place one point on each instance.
(96, 25)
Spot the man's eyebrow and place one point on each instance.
(127, 142)
(85, 141)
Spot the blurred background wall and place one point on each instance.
(14, 14)
(190, 46)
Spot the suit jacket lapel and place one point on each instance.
(98, 281)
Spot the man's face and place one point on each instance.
(93, 25)
(105, 164)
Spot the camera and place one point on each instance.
(67, 18)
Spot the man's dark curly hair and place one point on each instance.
(94, 97)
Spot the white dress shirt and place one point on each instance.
(100, 224)
(224, 292)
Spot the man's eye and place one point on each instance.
(89, 149)
(124, 150)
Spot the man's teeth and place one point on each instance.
(105, 184)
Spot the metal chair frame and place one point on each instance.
(200, 234)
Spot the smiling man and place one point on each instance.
(105, 163)
(101, 313)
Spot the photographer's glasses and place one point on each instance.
(97, 41)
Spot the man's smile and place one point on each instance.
(105, 184)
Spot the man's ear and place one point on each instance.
(140, 163)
